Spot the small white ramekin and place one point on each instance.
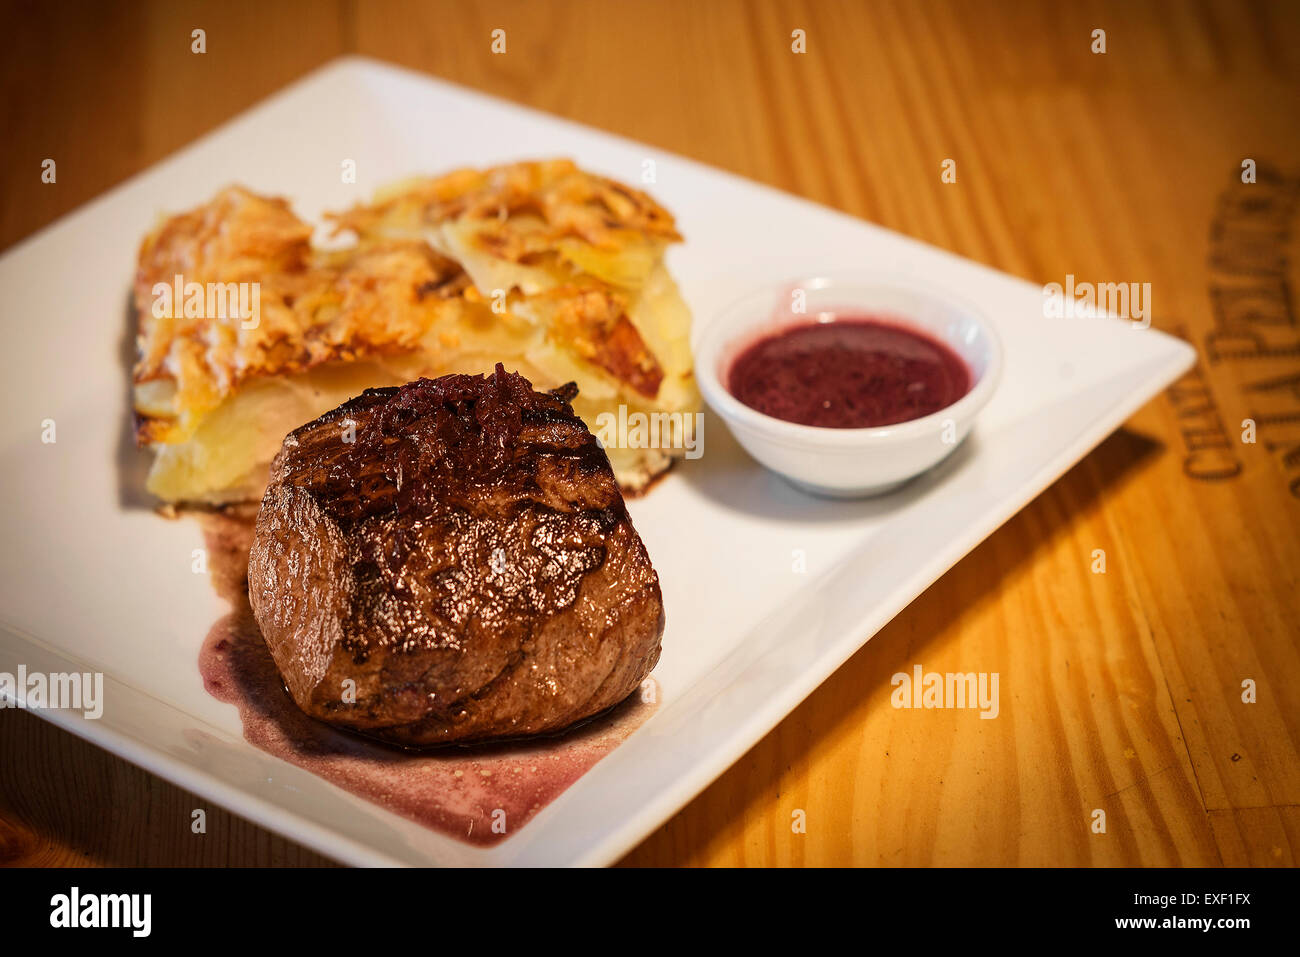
(849, 463)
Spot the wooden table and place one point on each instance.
(1121, 691)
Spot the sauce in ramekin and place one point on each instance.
(853, 372)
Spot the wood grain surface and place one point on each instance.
(1121, 691)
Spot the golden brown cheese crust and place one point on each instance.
(571, 204)
(315, 307)
(549, 215)
(593, 320)
(383, 296)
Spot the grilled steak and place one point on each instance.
(452, 560)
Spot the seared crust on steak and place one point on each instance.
(452, 560)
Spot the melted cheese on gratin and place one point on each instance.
(558, 274)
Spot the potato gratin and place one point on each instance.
(555, 272)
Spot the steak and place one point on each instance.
(450, 561)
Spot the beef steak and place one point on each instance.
(451, 560)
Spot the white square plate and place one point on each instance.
(92, 581)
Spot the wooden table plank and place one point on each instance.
(1120, 691)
